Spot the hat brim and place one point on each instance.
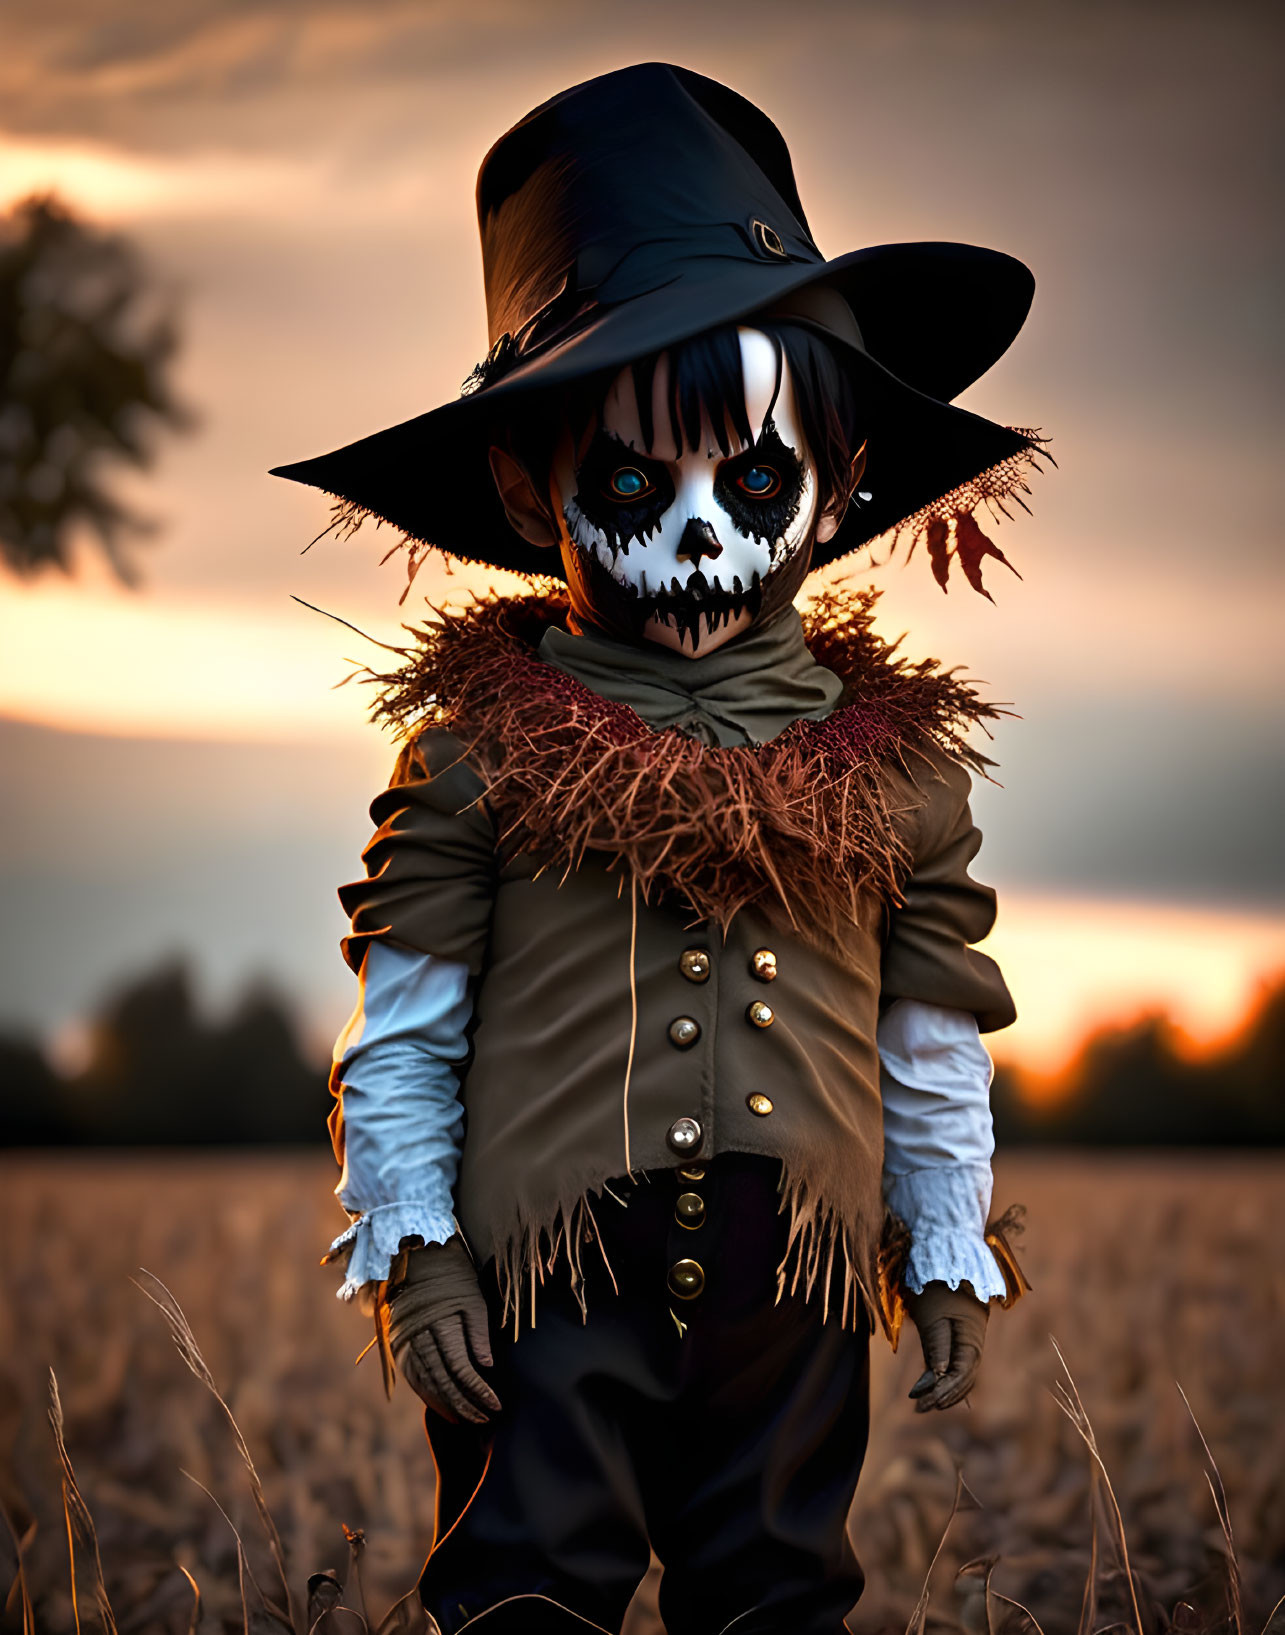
(933, 317)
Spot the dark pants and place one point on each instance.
(732, 1449)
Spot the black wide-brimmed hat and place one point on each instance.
(644, 207)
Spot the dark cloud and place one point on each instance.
(154, 77)
(910, 70)
(1141, 797)
(119, 851)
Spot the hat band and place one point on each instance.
(558, 319)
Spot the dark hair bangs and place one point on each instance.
(705, 373)
(706, 378)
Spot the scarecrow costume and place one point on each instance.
(665, 1084)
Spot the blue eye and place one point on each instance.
(629, 484)
(760, 481)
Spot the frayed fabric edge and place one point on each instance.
(826, 1254)
(856, 1267)
(826, 1257)
(526, 1259)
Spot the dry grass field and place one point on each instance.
(1148, 1272)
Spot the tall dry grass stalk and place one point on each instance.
(1089, 1605)
(1219, 1496)
(190, 1351)
(80, 1524)
(1026, 1612)
(195, 1618)
(1067, 1398)
(919, 1617)
(243, 1570)
(985, 1566)
(19, 1594)
(405, 1617)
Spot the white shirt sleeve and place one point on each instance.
(398, 1060)
(938, 1141)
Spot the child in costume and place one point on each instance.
(665, 1081)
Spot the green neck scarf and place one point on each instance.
(746, 691)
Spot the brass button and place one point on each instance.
(685, 1135)
(684, 1031)
(689, 1210)
(694, 965)
(760, 1014)
(760, 1104)
(763, 965)
(695, 1172)
(686, 1279)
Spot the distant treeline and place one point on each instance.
(1136, 1087)
(159, 1074)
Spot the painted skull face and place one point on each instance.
(684, 545)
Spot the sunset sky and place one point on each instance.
(180, 775)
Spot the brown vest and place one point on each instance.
(557, 1102)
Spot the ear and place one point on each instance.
(529, 515)
(833, 515)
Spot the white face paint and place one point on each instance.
(687, 538)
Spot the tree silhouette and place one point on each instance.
(84, 356)
(1135, 1086)
(159, 1072)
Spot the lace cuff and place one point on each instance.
(945, 1210)
(371, 1244)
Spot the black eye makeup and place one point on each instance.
(622, 493)
(761, 489)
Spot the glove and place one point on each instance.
(952, 1331)
(439, 1333)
